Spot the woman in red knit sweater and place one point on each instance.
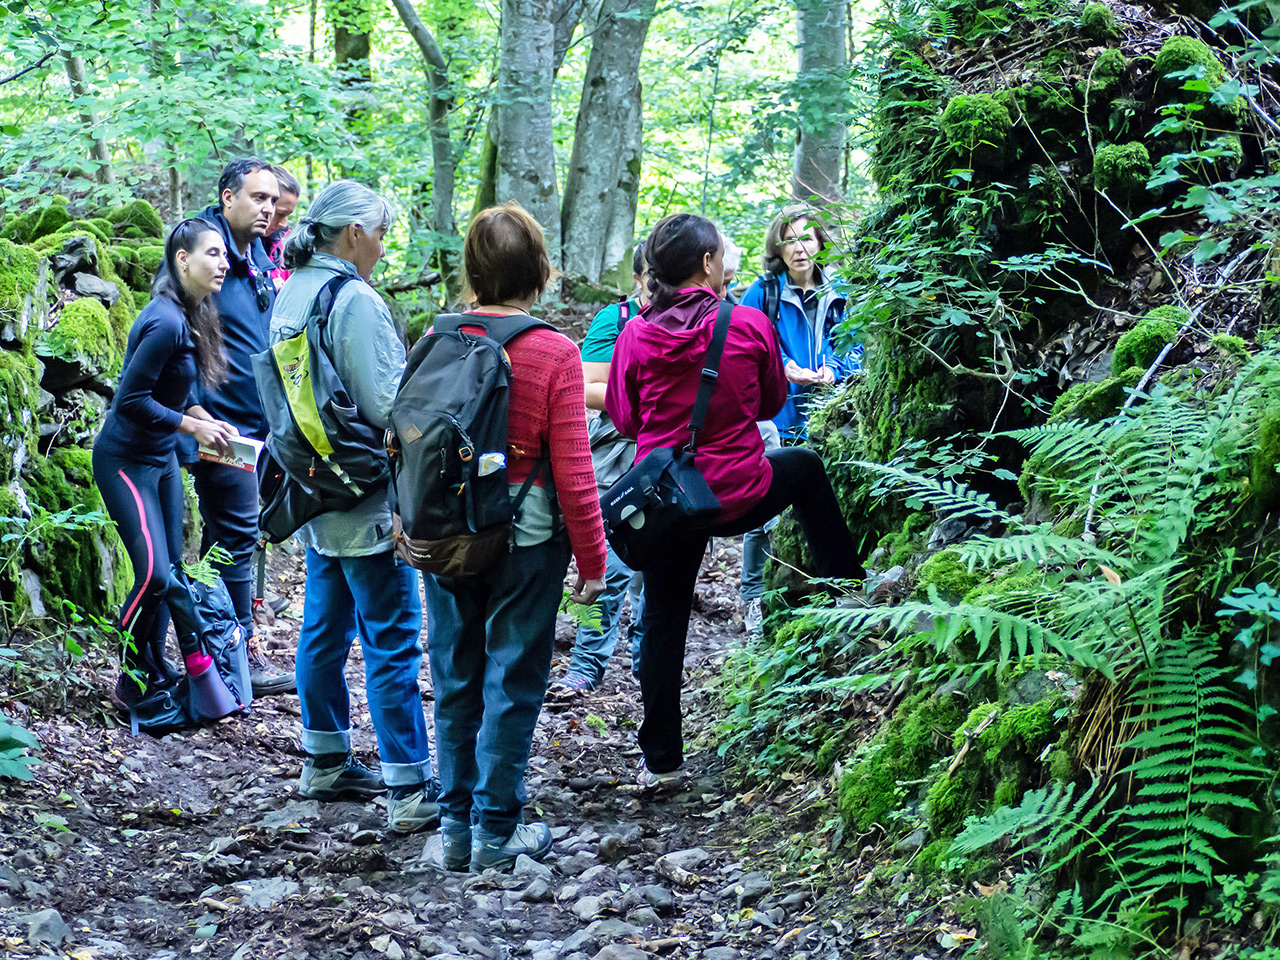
(489, 637)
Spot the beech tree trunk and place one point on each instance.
(442, 160)
(598, 217)
(820, 136)
(526, 161)
(103, 172)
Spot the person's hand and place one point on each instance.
(801, 375)
(586, 591)
(826, 374)
(230, 430)
(210, 433)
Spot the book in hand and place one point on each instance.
(244, 453)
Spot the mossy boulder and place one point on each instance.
(948, 575)
(23, 284)
(1104, 78)
(1180, 53)
(1264, 481)
(136, 219)
(1098, 23)
(19, 398)
(150, 258)
(99, 229)
(37, 222)
(977, 124)
(1141, 345)
(83, 332)
(1121, 169)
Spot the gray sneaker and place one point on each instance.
(455, 844)
(753, 616)
(267, 679)
(415, 811)
(350, 779)
(489, 852)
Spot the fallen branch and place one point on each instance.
(969, 737)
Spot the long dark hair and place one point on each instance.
(202, 315)
(675, 251)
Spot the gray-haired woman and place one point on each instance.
(355, 584)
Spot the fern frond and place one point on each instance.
(945, 496)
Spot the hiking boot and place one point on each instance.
(267, 679)
(278, 605)
(455, 844)
(126, 693)
(348, 779)
(577, 682)
(753, 616)
(416, 810)
(489, 852)
(648, 780)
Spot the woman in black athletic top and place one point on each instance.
(174, 340)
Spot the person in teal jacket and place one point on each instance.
(805, 305)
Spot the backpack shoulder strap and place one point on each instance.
(322, 305)
(506, 329)
(772, 297)
(710, 372)
(446, 322)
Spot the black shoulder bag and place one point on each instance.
(666, 491)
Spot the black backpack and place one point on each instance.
(320, 455)
(453, 512)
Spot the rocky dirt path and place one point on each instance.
(196, 844)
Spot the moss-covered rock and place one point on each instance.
(1121, 169)
(947, 574)
(1180, 53)
(23, 302)
(83, 332)
(1098, 23)
(977, 124)
(19, 396)
(37, 222)
(97, 228)
(136, 219)
(149, 259)
(1140, 346)
(1264, 481)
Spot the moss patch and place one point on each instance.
(1121, 168)
(37, 222)
(136, 219)
(1264, 482)
(19, 393)
(976, 123)
(1140, 346)
(83, 332)
(946, 573)
(19, 271)
(1186, 53)
(1098, 23)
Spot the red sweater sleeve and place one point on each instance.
(548, 405)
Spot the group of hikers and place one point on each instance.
(237, 280)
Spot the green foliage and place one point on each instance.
(38, 221)
(1098, 23)
(1122, 168)
(947, 574)
(1140, 346)
(1264, 481)
(137, 215)
(971, 121)
(1181, 53)
(17, 744)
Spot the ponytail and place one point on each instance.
(675, 251)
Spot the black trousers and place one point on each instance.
(229, 507)
(145, 501)
(800, 482)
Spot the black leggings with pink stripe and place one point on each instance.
(145, 501)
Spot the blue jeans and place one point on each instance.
(592, 648)
(755, 543)
(489, 639)
(380, 596)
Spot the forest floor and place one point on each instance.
(196, 844)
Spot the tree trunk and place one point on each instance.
(526, 148)
(103, 171)
(620, 237)
(598, 220)
(566, 15)
(352, 41)
(821, 134)
(487, 188)
(442, 160)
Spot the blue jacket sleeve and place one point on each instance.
(157, 341)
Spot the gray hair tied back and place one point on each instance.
(335, 208)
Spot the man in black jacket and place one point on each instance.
(247, 194)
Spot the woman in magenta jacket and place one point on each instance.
(653, 379)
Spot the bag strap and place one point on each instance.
(710, 373)
(772, 297)
(500, 329)
(322, 305)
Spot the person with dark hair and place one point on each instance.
(174, 341)
(278, 228)
(612, 455)
(228, 496)
(805, 306)
(653, 380)
(353, 575)
(489, 637)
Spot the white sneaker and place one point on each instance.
(753, 616)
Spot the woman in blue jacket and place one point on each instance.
(805, 306)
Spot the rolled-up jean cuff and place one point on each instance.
(406, 774)
(320, 742)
